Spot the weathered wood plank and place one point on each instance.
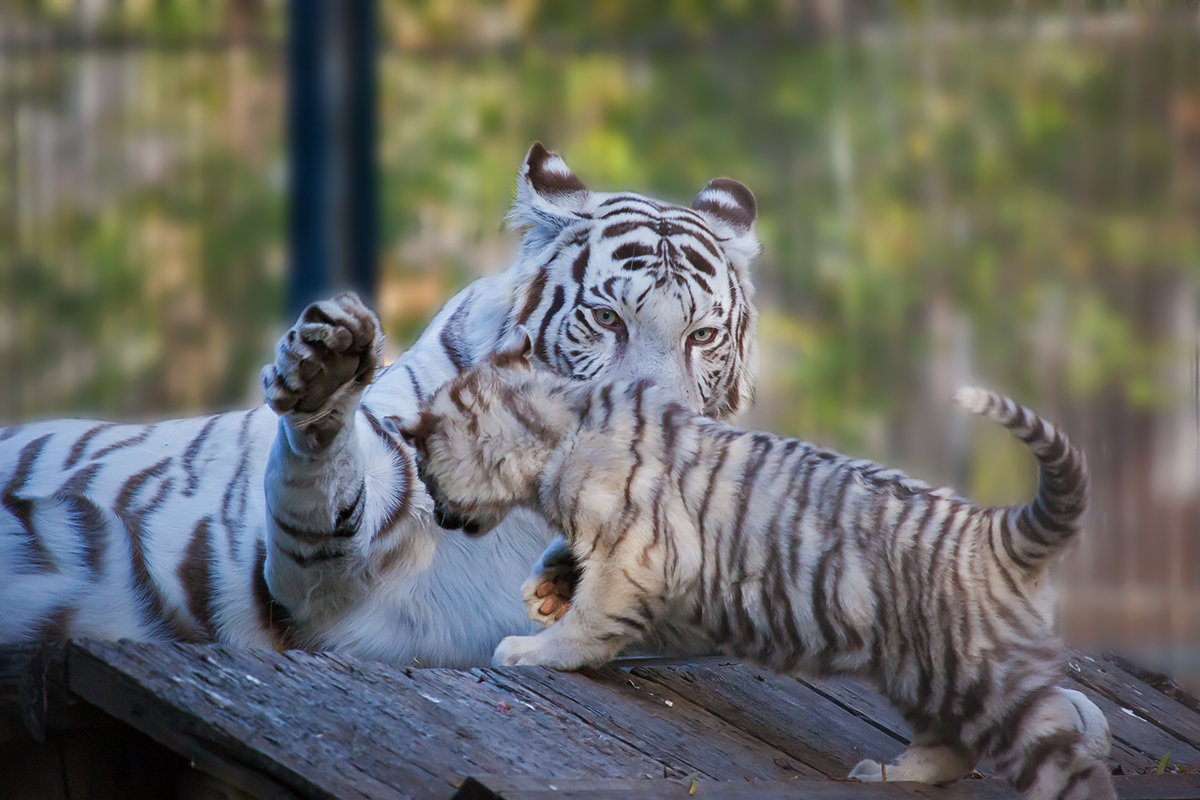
(506, 728)
(1158, 787)
(781, 712)
(484, 787)
(1105, 676)
(14, 666)
(330, 726)
(237, 713)
(655, 719)
(1138, 744)
(1156, 680)
(861, 700)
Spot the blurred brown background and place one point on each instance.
(950, 192)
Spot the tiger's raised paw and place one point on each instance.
(551, 585)
(322, 364)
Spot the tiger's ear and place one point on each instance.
(730, 210)
(516, 350)
(417, 431)
(549, 196)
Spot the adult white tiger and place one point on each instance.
(301, 524)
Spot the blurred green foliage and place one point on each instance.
(1030, 172)
(1033, 171)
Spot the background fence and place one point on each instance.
(949, 192)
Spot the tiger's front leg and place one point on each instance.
(315, 487)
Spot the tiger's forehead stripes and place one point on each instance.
(675, 258)
(663, 228)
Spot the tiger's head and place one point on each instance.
(484, 438)
(624, 287)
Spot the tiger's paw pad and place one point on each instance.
(332, 350)
(867, 771)
(548, 591)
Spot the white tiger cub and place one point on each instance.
(301, 523)
(790, 556)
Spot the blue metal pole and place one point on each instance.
(333, 202)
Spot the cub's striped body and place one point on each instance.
(790, 556)
(301, 523)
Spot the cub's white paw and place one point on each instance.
(549, 588)
(1091, 722)
(515, 651)
(867, 771)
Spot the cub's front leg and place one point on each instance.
(551, 584)
(314, 485)
(613, 607)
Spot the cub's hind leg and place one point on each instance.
(929, 759)
(1055, 747)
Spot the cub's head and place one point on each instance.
(621, 286)
(483, 440)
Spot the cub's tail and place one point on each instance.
(1033, 534)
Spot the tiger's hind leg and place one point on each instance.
(1057, 749)
(929, 759)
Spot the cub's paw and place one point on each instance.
(549, 588)
(516, 651)
(332, 350)
(1091, 722)
(867, 771)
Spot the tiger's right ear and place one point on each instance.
(729, 207)
(516, 351)
(549, 196)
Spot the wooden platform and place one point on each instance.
(299, 724)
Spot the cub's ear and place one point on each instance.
(549, 196)
(516, 350)
(730, 209)
(416, 432)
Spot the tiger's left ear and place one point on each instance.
(730, 210)
(549, 196)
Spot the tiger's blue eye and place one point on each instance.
(607, 318)
(702, 335)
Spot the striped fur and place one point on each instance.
(790, 556)
(301, 523)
